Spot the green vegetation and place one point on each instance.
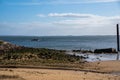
(1, 42)
(39, 57)
(11, 54)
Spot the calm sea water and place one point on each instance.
(63, 42)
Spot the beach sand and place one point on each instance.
(105, 66)
(50, 74)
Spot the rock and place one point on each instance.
(76, 50)
(6, 46)
(106, 50)
(83, 51)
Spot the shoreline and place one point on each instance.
(49, 64)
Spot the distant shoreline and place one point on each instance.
(51, 35)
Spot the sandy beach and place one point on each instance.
(105, 66)
(50, 74)
(47, 74)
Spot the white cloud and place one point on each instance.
(94, 25)
(90, 25)
(76, 15)
(90, 21)
(85, 20)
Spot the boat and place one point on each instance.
(35, 39)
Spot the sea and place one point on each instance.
(69, 43)
(63, 42)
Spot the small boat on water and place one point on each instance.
(35, 39)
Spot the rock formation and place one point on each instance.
(107, 50)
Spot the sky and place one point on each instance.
(59, 17)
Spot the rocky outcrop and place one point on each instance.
(83, 51)
(107, 50)
(6, 46)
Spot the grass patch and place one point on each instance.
(10, 77)
(1, 42)
(40, 57)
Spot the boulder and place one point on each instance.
(83, 51)
(106, 50)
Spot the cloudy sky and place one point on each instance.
(59, 17)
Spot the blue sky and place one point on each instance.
(59, 17)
